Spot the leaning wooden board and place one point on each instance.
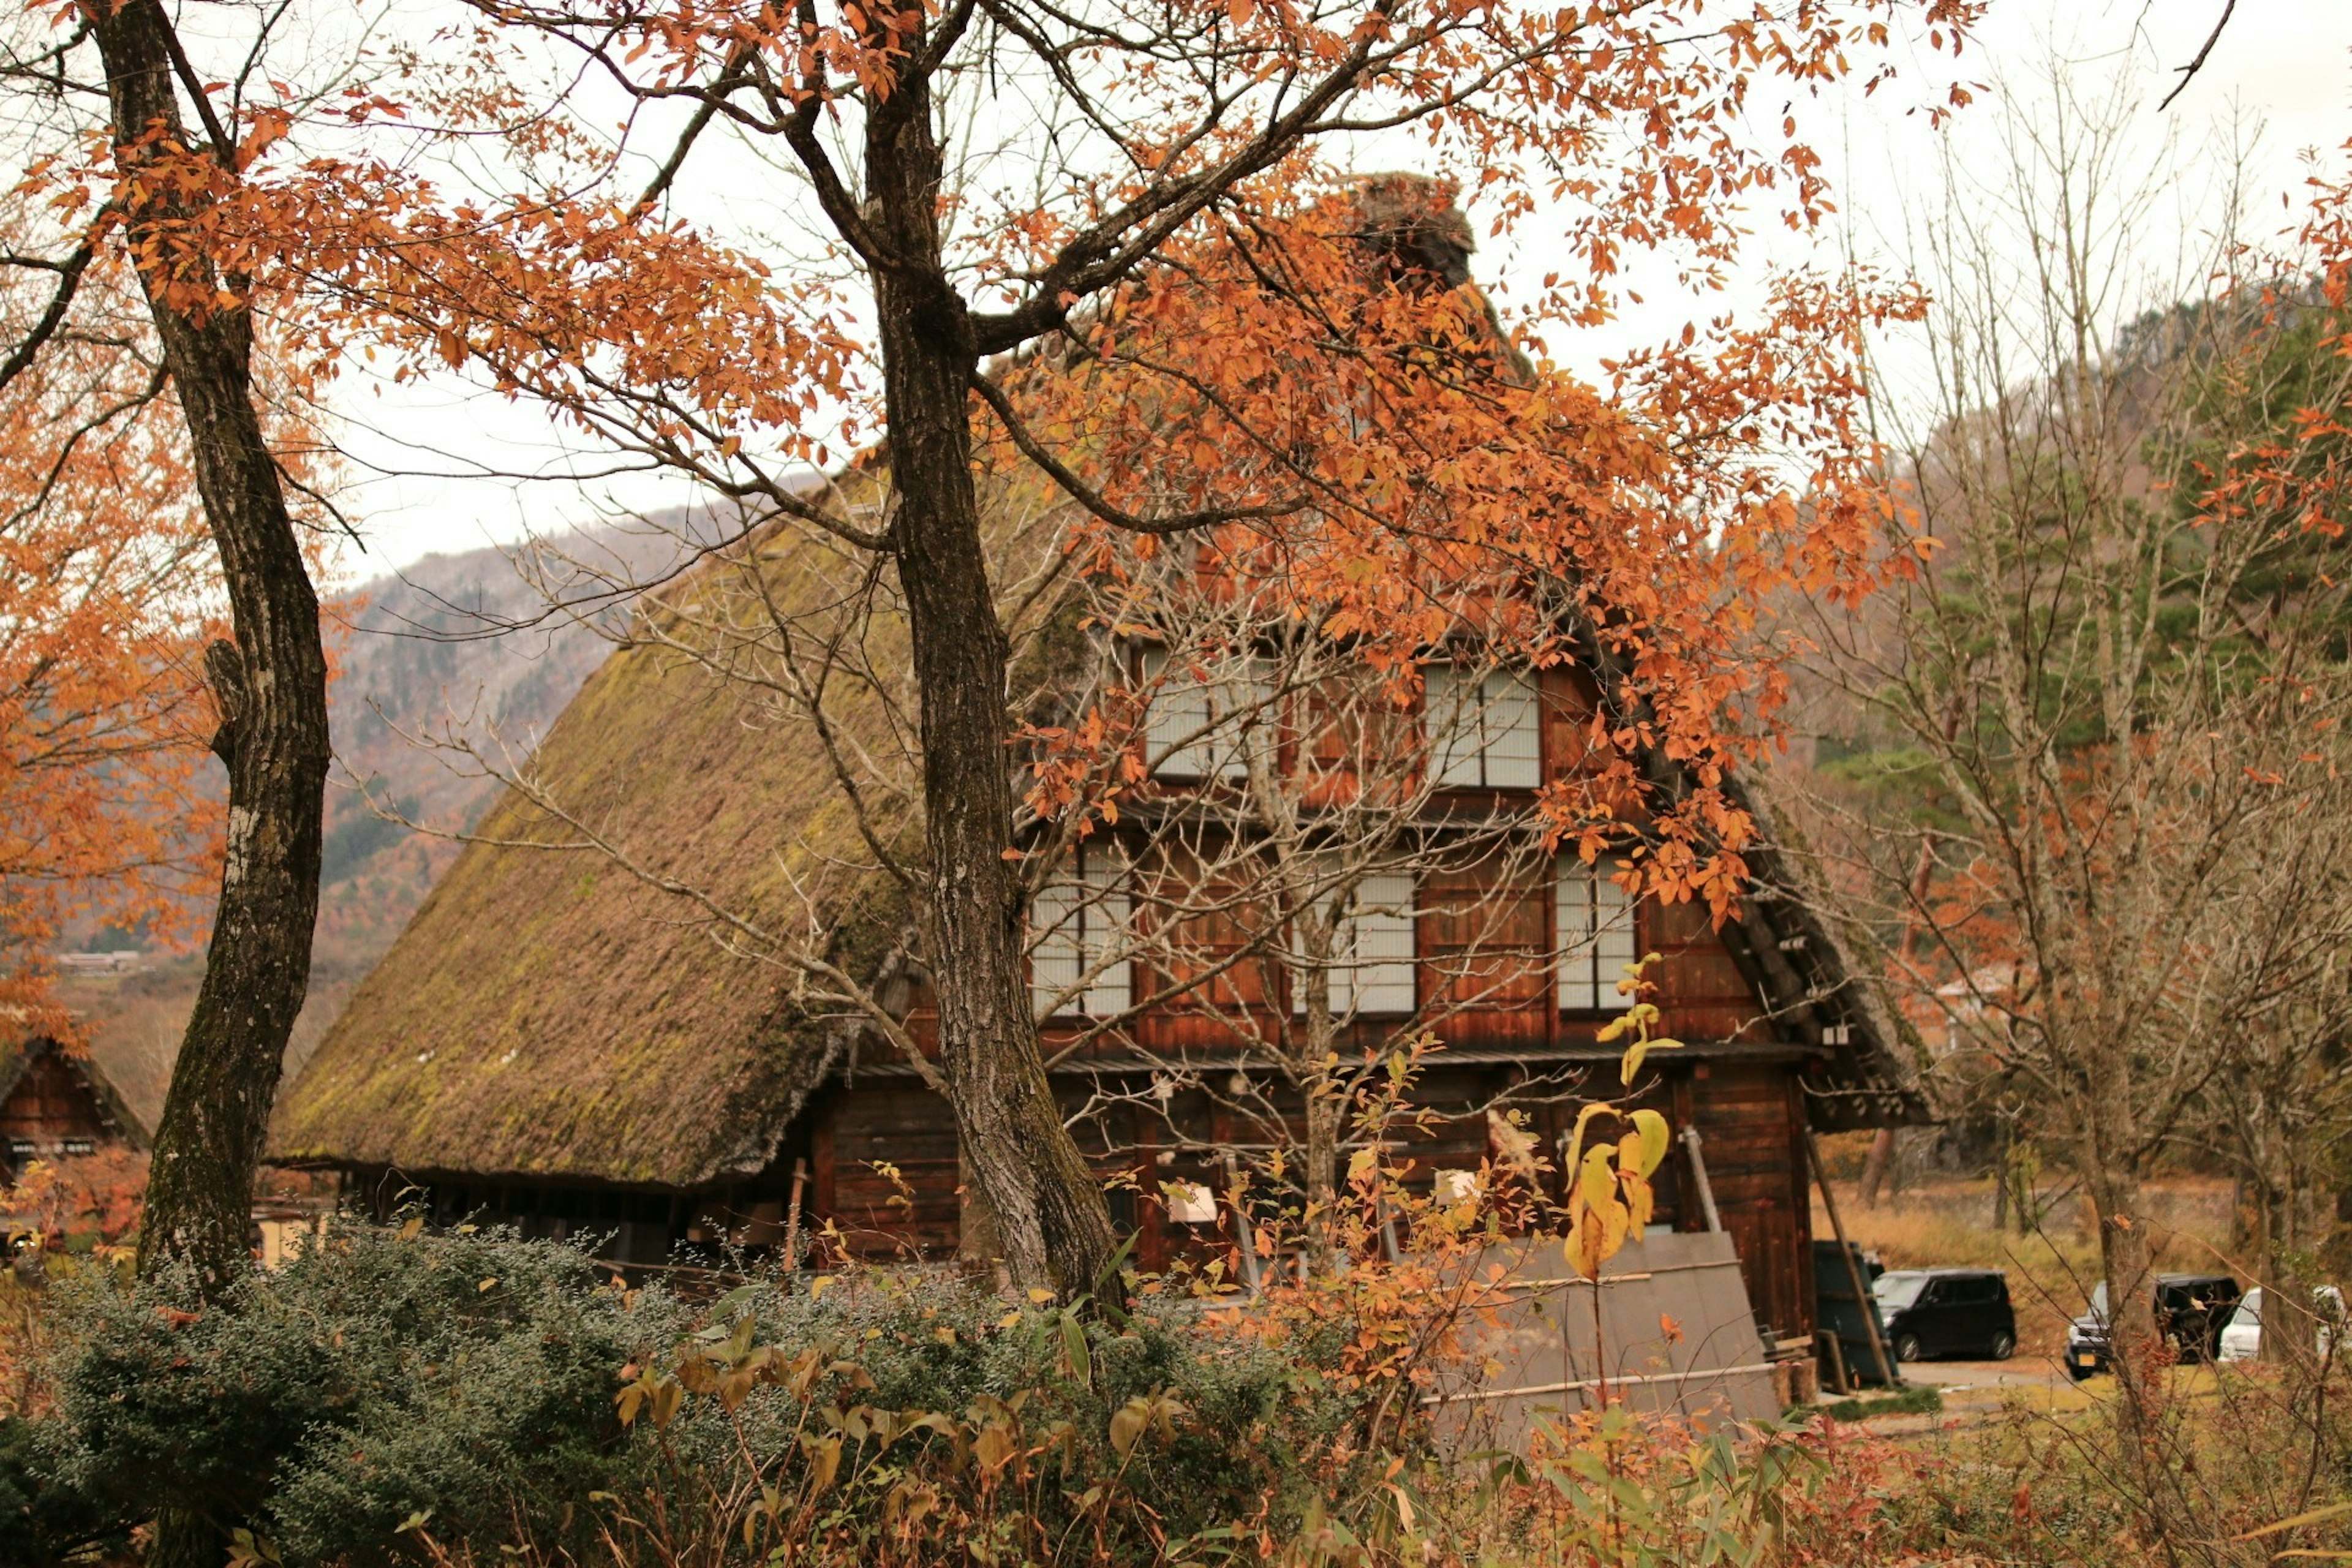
(1674, 1333)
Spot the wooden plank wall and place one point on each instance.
(48, 1105)
(1750, 1116)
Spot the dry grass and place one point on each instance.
(2051, 1269)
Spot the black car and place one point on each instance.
(2191, 1310)
(1946, 1312)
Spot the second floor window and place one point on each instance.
(1372, 964)
(1078, 959)
(1204, 724)
(1595, 934)
(1486, 729)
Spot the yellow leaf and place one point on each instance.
(1641, 1202)
(994, 1445)
(1655, 1139)
(1128, 1423)
(824, 1460)
(1576, 1139)
(1596, 1179)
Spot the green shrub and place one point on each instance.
(398, 1396)
(1119, 1436)
(382, 1379)
(44, 1518)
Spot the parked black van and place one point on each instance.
(1946, 1312)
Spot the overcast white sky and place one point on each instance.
(2285, 64)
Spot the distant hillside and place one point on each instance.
(459, 643)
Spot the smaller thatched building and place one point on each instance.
(56, 1104)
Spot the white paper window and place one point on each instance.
(1594, 920)
(1079, 933)
(1372, 956)
(1190, 1203)
(1205, 728)
(1452, 1186)
(1486, 730)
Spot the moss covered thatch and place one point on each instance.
(552, 1010)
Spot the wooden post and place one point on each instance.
(1826, 1340)
(1698, 1178)
(1852, 1270)
(1244, 1233)
(792, 1217)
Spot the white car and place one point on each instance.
(2241, 1337)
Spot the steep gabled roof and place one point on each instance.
(18, 1059)
(551, 1012)
(1811, 966)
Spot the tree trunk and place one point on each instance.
(2003, 1176)
(2126, 1264)
(1875, 1167)
(271, 686)
(1325, 1113)
(1049, 1216)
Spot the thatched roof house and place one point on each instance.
(590, 1024)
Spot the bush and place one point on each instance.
(893, 1419)
(43, 1518)
(381, 1380)
(397, 1394)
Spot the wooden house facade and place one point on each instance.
(58, 1105)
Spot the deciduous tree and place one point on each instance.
(143, 189)
(1115, 247)
(2110, 707)
(106, 583)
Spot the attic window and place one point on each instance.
(1205, 723)
(1485, 730)
(1079, 926)
(1594, 921)
(1371, 962)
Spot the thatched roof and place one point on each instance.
(16, 1059)
(554, 1012)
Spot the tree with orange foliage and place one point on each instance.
(105, 586)
(1116, 249)
(136, 193)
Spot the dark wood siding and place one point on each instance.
(49, 1109)
(1748, 1115)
